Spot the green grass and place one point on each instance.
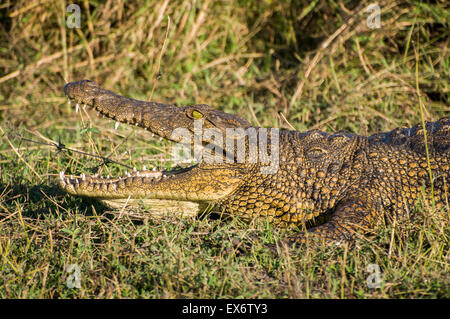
(245, 57)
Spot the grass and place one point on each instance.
(316, 64)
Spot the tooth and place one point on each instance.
(117, 125)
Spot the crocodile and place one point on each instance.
(330, 186)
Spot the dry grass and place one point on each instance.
(317, 64)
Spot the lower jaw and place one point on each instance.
(98, 187)
(119, 199)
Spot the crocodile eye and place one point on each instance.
(196, 115)
(315, 153)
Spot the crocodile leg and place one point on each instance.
(352, 216)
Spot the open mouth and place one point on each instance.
(149, 189)
(110, 187)
(198, 183)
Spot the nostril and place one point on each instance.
(81, 85)
(65, 88)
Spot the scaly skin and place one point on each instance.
(336, 184)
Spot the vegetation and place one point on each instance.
(302, 64)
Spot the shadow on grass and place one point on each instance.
(36, 201)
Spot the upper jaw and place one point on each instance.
(83, 91)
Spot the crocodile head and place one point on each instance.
(207, 181)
